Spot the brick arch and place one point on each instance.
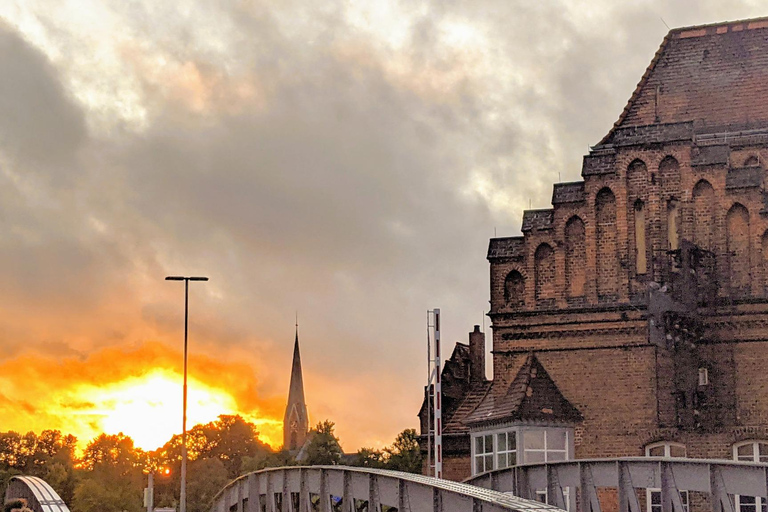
(606, 241)
(575, 257)
(669, 163)
(544, 272)
(737, 246)
(637, 165)
(514, 288)
(704, 215)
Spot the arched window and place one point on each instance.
(737, 224)
(673, 224)
(514, 289)
(606, 240)
(664, 449)
(704, 215)
(641, 258)
(544, 267)
(575, 257)
(750, 451)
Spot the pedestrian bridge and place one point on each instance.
(723, 482)
(347, 489)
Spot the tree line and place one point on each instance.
(111, 473)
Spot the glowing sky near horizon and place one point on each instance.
(348, 160)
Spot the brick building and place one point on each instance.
(630, 319)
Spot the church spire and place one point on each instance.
(296, 421)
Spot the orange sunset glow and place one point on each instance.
(112, 392)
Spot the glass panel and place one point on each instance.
(534, 456)
(556, 440)
(479, 445)
(656, 451)
(555, 456)
(488, 462)
(488, 443)
(479, 466)
(541, 496)
(655, 497)
(513, 459)
(534, 439)
(763, 451)
(684, 500)
(745, 452)
(501, 461)
(512, 440)
(676, 451)
(501, 441)
(747, 504)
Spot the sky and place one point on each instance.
(346, 161)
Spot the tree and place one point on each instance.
(112, 479)
(323, 447)
(229, 438)
(404, 454)
(270, 460)
(206, 478)
(369, 458)
(94, 494)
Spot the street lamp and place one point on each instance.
(183, 493)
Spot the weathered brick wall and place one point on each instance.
(594, 344)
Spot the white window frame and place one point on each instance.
(488, 451)
(546, 450)
(519, 432)
(760, 502)
(650, 492)
(498, 452)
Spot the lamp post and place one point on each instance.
(183, 493)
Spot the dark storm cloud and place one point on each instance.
(40, 124)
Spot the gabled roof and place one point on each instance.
(715, 76)
(532, 396)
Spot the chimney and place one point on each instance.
(476, 355)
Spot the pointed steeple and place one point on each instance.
(296, 421)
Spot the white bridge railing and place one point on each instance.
(721, 480)
(347, 489)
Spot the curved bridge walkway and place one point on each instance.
(670, 478)
(39, 495)
(346, 489)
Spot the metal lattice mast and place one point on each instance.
(435, 384)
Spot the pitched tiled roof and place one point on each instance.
(532, 396)
(537, 219)
(512, 247)
(455, 424)
(714, 75)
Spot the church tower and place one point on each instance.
(295, 422)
